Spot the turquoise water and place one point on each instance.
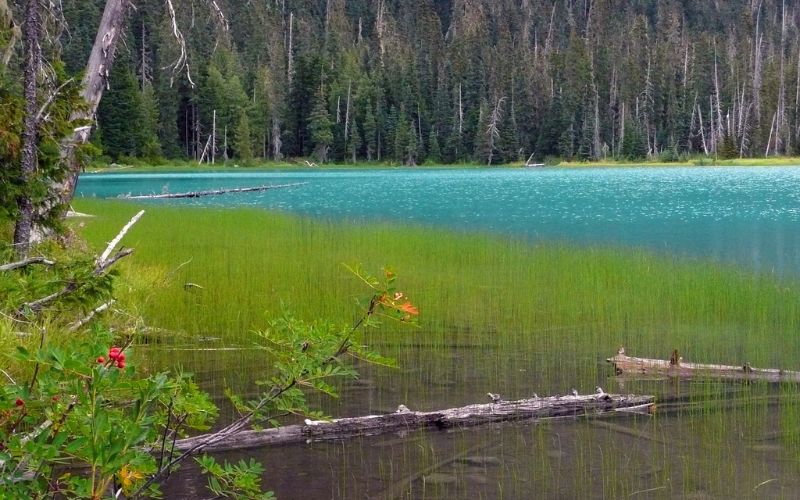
(750, 216)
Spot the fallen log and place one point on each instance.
(213, 192)
(676, 367)
(405, 419)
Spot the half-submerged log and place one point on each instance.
(405, 419)
(676, 367)
(214, 192)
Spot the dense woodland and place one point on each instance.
(412, 81)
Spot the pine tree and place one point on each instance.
(243, 143)
(370, 133)
(320, 127)
(434, 151)
(120, 114)
(150, 147)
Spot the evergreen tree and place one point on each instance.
(150, 146)
(320, 127)
(370, 133)
(244, 143)
(120, 114)
(434, 151)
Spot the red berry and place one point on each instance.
(114, 352)
(19, 402)
(101, 360)
(121, 357)
(121, 364)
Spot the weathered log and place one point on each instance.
(27, 262)
(214, 192)
(404, 419)
(676, 367)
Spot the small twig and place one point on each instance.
(649, 490)
(27, 262)
(164, 436)
(110, 248)
(76, 325)
(759, 485)
(8, 376)
(36, 369)
(50, 100)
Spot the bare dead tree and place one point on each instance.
(493, 130)
(33, 60)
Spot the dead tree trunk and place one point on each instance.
(94, 83)
(405, 419)
(25, 218)
(676, 367)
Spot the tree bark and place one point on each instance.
(94, 83)
(25, 217)
(405, 419)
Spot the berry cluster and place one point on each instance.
(116, 356)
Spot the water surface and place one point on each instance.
(749, 215)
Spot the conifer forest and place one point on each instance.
(440, 81)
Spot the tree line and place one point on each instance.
(446, 81)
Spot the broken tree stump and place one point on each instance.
(405, 419)
(676, 367)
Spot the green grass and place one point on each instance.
(498, 315)
(471, 289)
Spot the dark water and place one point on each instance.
(750, 216)
(739, 441)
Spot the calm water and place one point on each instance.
(750, 216)
(746, 445)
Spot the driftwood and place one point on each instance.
(676, 367)
(405, 419)
(214, 192)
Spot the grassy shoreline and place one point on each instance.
(298, 164)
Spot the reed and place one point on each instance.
(497, 314)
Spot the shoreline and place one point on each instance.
(180, 165)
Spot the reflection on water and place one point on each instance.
(745, 215)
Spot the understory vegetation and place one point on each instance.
(83, 416)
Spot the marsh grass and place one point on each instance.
(474, 291)
(499, 315)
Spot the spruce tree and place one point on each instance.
(370, 133)
(320, 127)
(243, 142)
(434, 151)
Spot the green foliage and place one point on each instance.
(238, 481)
(320, 126)
(244, 141)
(73, 393)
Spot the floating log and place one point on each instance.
(405, 419)
(676, 367)
(214, 192)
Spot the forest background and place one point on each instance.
(448, 81)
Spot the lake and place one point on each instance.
(724, 440)
(750, 215)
